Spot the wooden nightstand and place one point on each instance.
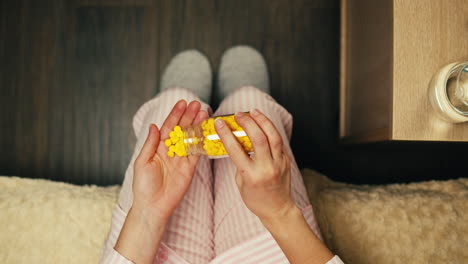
(390, 49)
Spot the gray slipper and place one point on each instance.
(242, 66)
(189, 69)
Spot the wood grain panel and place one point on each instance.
(109, 57)
(73, 76)
(102, 3)
(366, 69)
(426, 38)
(187, 25)
(28, 70)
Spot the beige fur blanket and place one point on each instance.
(414, 223)
(50, 222)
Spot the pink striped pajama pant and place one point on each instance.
(212, 223)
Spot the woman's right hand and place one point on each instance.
(264, 183)
(264, 180)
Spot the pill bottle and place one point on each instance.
(203, 139)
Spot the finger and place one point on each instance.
(201, 116)
(239, 180)
(190, 113)
(232, 146)
(193, 159)
(150, 146)
(286, 157)
(274, 138)
(173, 118)
(257, 137)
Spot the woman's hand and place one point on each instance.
(159, 181)
(159, 184)
(264, 181)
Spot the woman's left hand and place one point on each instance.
(159, 181)
(159, 184)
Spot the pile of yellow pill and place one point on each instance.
(216, 147)
(175, 143)
(176, 146)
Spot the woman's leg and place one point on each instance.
(189, 231)
(233, 221)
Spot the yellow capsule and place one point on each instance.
(177, 129)
(170, 154)
(211, 122)
(167, 142)
(180, 153)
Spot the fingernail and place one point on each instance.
(239, 114)
(219, 123)
(255, 112)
